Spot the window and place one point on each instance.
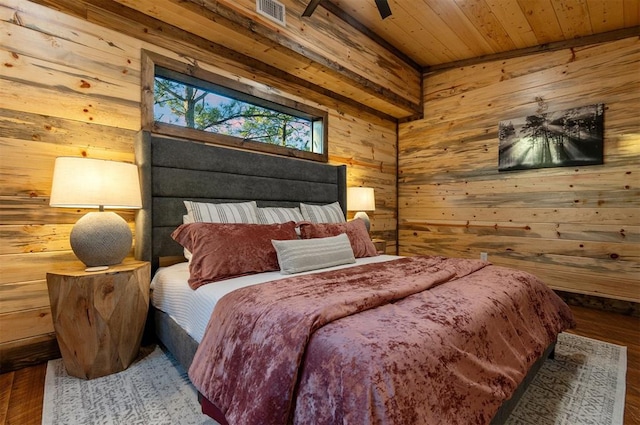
(214, 109)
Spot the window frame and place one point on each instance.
(153, 63)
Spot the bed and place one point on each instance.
(173, 171)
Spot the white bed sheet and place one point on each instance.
(191, 309)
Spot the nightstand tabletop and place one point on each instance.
(79, 269)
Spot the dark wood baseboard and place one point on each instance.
(627, 308)
(29, 352)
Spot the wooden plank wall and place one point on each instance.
(322, 49)
(71, 87)
(578, 228)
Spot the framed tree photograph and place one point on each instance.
(572, 137)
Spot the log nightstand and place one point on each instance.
(99, 317)
(381, 245)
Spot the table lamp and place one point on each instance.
(361, 199)
(98, 239)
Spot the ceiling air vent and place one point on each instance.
(273, 10)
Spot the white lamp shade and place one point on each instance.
(360, 199)
(92, 183)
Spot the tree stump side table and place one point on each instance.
(381, 245)
(99, 317)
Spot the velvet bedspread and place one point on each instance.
(417, 340)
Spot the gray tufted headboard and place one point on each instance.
(174, 170)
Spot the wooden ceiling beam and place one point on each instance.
(232, 19)
(311, 7)
(142, 26)
(146, 28)
(548, 47)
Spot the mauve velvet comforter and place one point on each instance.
(419, 340)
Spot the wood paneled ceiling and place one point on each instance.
(439, 32)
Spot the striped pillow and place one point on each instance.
(329, 213)
(241, 212)
(275, 215)
(295, 256)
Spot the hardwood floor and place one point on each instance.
(22, 391)
(21, 395)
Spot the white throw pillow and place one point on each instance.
(300, 255)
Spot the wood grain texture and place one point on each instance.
(313, 51)
(25, 323)
(26, 352)
(575, 227)
(437, 33)
(22, 396)
(90, 58)
(99, 317)
(23, 296)
(228, 31)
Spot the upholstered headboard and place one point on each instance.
(174, 170)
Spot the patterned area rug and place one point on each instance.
(584, 384)
(154, 390)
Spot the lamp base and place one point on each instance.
(96, 269)
(101, 239)
(363, 215)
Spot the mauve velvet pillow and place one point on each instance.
(355, 229)
(225, 250)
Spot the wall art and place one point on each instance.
(572, 137)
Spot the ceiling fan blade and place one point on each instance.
(311, 7)
(383, 8)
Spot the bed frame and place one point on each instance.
(173, 170)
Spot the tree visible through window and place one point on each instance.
(224, 112)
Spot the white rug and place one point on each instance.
(154, 390)
(584, 384)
